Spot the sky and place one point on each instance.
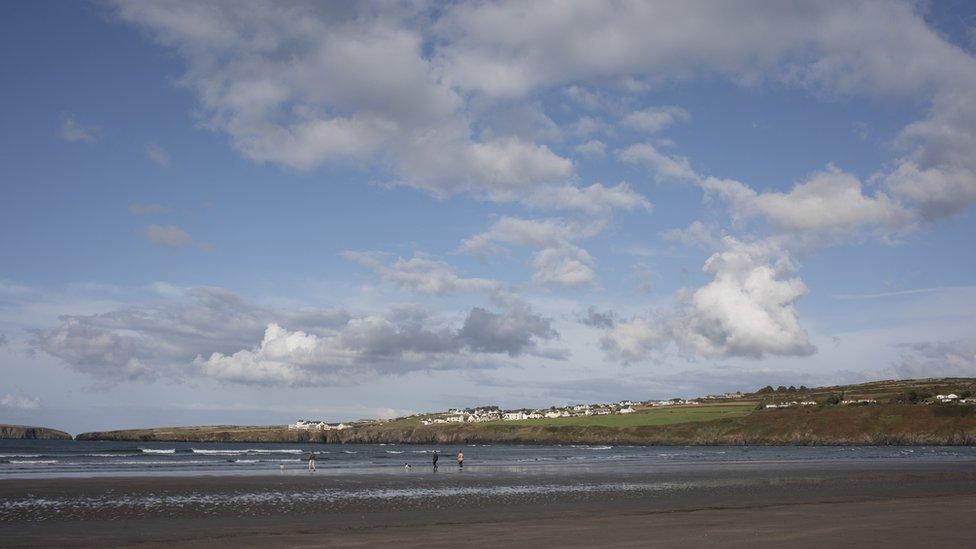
(257, 212)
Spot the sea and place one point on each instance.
(69, 458)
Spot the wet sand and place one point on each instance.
(801, 504)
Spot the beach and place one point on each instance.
(803, 503)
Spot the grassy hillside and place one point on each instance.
(649, 416)
(896, 420)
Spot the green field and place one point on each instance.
(652, 416)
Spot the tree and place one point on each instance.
(833, 399)
(781, 389)
(766, 389)
(792, 389)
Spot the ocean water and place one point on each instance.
(66, 458)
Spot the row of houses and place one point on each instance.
(318, 425)
(791, 404)
(671, 402)
(723, 396)
(493, 413)
(953, 398)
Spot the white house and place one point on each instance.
(627, 410)
(515, 416)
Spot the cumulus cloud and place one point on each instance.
(556, 260)
(73, 131)
(309, 85)
(421, 274)
(663, 167)
(512, 333)
(831, 200)
(936, 192)
(166, 235)
(414, 92)
(633, 339)
(747, 309)
(507, 49)
(157, 154)
(213, 333)
(564, 265)
(19, 402)
(655, 119)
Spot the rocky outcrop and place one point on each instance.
(27, 432)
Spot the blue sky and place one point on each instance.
(210, 215)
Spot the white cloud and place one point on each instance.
(357, 88)
(566, 266)
(655, 119)
(166, 235)
(157, 154)
(633, 339)
(508, 49)
(831, 200)
(19, 402)
(400, 88)
(211, 333)
(593, 147)
(557, 259)
(596, 199)
(936, 192)
(73, 131)
(421, 274)
(695, 234)
(747, 309)
(663, 167)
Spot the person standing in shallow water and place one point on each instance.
(460, 459)
(311, 461)
(434, 458)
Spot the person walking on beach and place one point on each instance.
(460, 459)
(311, 462)
(435, 457)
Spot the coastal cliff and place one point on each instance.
(889, 424)
(27, 432)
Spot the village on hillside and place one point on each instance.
(767, 398)
(481, 414)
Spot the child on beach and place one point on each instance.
(460, 459)
(311, 462)
(435, 458)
